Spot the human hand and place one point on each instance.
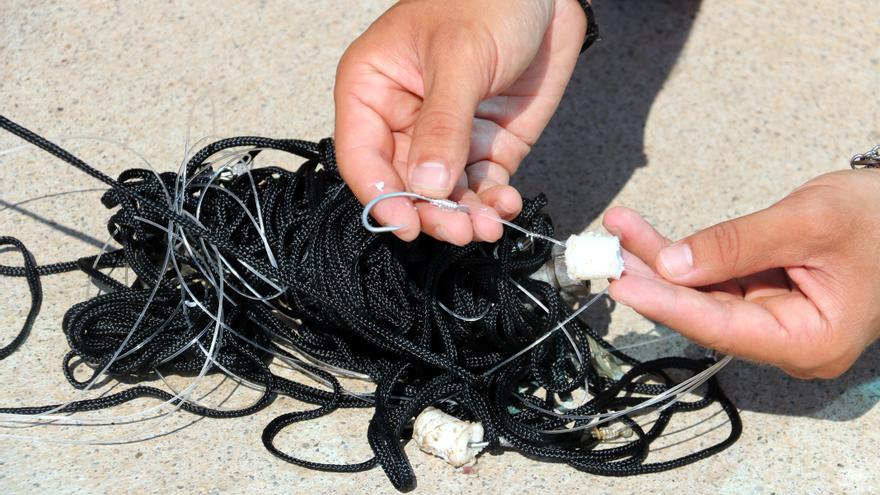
(434, 89)
(796, 285)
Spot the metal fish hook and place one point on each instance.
(469, 319)
(445, 204)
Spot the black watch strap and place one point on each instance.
(592, 27)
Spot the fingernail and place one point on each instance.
(430, 176)
(403, 234)
(441, 234)
(502, 210)
(677, 260)
(615, 231)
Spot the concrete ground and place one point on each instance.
(692, 112)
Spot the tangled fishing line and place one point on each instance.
(239, 267)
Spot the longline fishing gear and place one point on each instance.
(243, 271)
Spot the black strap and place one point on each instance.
(592, 28)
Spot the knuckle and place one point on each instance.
(347, 60)
(724, 241)
(347, 70)
(521, 150)
(717, 339)
(827, 365)
(822, 214)
(462, 34)
(830, 372)
(440, 123)
(827, 371)
(459, 33)
(840, 363)
(796, 373)
(464, 40)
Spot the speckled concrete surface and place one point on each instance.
(690, 111)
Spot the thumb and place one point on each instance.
(442, 133)
(771, 238)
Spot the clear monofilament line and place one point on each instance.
(49, 416)
(178, 399)
(524, 231)
(673, 394)
(546, 335)
(155, 419)
(568, 335)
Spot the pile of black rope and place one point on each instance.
(318, 282)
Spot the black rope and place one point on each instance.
(347, 299)
(29, 270)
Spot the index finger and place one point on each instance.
(730, 325)
(364, 151)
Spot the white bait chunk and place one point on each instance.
(591, 256)
(455, 441)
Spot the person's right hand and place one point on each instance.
(796, 285)
(434, 89)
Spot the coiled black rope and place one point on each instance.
(263, 261)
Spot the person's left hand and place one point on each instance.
(796, 285)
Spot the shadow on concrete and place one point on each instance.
(53, 224)
(594, 143)
(768, 390)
